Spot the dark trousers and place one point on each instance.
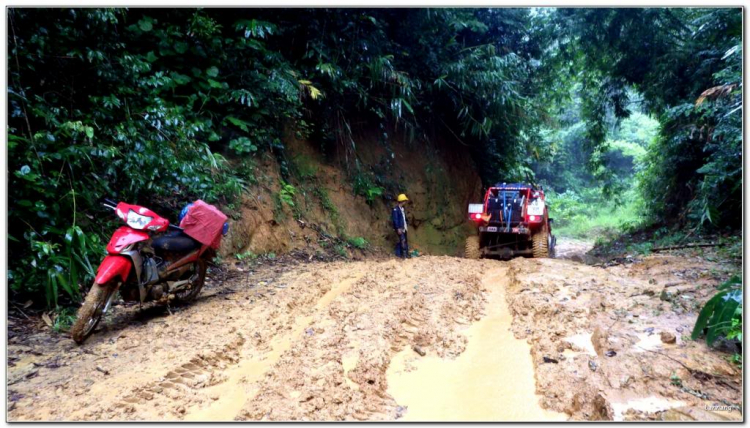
(402, 246)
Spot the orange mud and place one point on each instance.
(431, 338)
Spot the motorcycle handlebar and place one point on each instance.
(109, 203)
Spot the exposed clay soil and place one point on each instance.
(314, 341)
(439, 180)
(598, 338)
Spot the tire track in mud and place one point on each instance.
(337, 370)
(596, 339)
(179, 386)
(239, 387)
(317, 343)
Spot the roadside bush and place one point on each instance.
(589, 215)
(133, 105)
(358, 242)
(722, 314)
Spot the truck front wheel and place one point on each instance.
(472, 248)
(540, 243)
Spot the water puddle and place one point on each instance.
(582, 341)
(648, 342)
(349, 362)
(492, 380)
(647, 404)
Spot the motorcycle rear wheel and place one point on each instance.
(98, 300)
(197, 279)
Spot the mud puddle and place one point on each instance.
(421, 339)
(613, 343)
(492, 380)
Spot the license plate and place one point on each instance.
(492, 229)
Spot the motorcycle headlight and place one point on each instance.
(137, 221)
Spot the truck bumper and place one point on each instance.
(516, 230)
(505, 252)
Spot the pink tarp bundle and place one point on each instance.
(204, 222)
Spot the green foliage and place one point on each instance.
(358, 242)
(364, 185)
(243, 145)
(687, 77)
(638, 128)
(675, 380)
(588, 214)
(736, 359)
(163, 106)
(340, 250)
(305, 167)
(247, 255)
(64, 319)
(120, 103)
(722, 314)
(286, 194)
(325, 200)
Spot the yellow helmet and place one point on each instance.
(402, 197)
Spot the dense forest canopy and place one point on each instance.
(639, 106)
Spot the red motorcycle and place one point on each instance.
(152, 260)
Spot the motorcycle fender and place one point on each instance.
(123, 237)
(138, 263)
(111, 267)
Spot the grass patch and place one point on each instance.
(64, 320)
(589, 216)
(340, 249)
(247, 255)
(305, 166)
(358, 242)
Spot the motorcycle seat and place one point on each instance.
(175, 241)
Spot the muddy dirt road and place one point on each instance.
(431, 338)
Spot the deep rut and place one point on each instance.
(377, 340)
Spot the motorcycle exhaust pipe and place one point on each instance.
(177, 285)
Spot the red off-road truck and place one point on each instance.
(512, 221)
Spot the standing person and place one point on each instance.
(398, 215)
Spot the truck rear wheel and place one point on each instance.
(540, 243)
(472, 248)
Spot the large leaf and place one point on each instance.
(721, 321)
(705, 315)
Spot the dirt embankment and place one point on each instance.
(381, 340)
(439, 180)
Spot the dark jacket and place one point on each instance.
(398, 220)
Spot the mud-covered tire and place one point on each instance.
(471, 250)
(540, 243)
(91, 312)
(196, 287)
(552, 247)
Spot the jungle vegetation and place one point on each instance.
(612, 108)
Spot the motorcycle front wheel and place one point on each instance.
(98, 300)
